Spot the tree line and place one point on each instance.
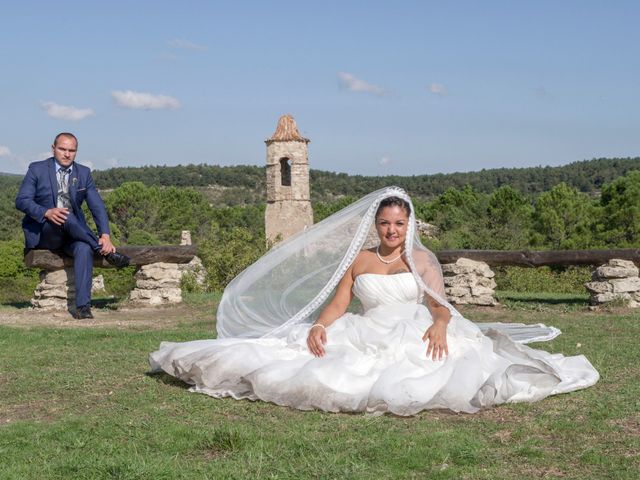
(233, 185)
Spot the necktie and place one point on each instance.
(64, 201)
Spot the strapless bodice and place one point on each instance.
(374, 289)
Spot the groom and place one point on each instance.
(51, 196)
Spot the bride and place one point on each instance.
(286, 334)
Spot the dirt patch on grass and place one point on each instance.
(36, 410)
(629, 426)
(125, 317)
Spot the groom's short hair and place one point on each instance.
(64, 134)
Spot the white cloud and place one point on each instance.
(65, 112)
(437, 89)
(4, 151)
(385, 161)
(144, 101)
(349, 82)
(186, 44)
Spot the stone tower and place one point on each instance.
(288, 199)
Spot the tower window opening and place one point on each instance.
(285, 172)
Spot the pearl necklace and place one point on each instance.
(387, 261)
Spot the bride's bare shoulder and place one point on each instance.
(424, 255)
(366, 255)
(362, 261)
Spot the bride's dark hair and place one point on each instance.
(394, 202)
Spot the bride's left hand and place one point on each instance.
(436, 335)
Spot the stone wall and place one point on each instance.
(159, 283)
(288, 210)
(615, 281)
(156, 284)
(284, 219)
(57, 291)
(469, 282)
(297, 154)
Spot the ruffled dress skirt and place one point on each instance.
(376, 362)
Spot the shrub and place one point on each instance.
(542, 279)
(189, 283)
(117, 282)
(17, 282)
(225, 252)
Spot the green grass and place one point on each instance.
(78, 403)
(543, 301)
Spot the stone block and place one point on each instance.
(59, 277)
(158, 271)
(157, 296)
(185, 237)
(97, 284)
(479, 291)
(156, 284)
(141, 294)
(463, 300)
(465, 265)
(469, 282)
(49, 303)
(44, 287)
(610, 296)
(618, 262)
(484, 300)
(51, 291)
(461, 280)
(599, 287)
(457, 291)
(621, 285)
(616, 268)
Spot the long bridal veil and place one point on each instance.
(291, 283)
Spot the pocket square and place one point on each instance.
(82, 189)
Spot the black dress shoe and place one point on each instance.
(83, 312)
(118, 260)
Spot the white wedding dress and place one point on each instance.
(376, 362)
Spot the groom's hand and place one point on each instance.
(57, 215)
(105, 242)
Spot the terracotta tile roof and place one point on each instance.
(286, 131)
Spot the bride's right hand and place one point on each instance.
(316, 340)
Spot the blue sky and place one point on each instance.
(402, 87)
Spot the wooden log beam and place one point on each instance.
(539, 258)
(48, 260)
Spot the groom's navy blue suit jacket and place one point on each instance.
(39, 192)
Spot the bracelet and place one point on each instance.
(318, 325)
